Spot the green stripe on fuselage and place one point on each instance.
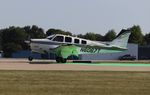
(68, 50)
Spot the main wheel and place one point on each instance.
(58, 59)
(61, 60)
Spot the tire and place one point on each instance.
(61, 60)
(30, 58)
(58, 60)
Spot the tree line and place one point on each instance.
(13, 39)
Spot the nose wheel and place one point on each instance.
(30, 58)
(61, 60)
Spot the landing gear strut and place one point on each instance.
(61, 60)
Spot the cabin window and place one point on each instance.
(83, 42)
(59, 39)
(76, 41)
(68, 39)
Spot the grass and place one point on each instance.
(74, 83)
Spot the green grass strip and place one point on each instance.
(112, 64)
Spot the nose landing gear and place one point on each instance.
(30, 58)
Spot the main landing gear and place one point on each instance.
(61, 60)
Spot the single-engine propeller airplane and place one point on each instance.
(64, 46)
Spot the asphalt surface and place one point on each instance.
(24, 64)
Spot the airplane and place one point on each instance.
(64, 45)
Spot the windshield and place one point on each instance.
(50, 37)
(59, 39)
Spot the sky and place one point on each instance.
(76, 16)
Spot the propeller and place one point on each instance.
(29, 40)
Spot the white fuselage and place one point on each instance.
(54, 41)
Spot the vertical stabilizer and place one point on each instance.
(121, 39)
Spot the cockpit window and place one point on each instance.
(68, 39)
(83, 42)
(59, 39)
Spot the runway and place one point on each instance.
(24, 64)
